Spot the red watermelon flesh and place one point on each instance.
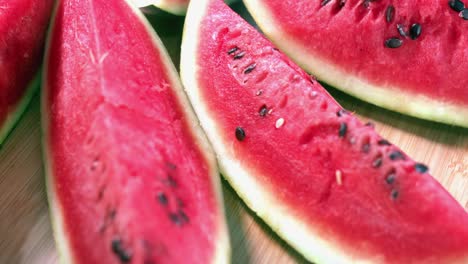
(348, 44)
(131, 178)
(23, 25)
(325, 182)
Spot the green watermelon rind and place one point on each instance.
(392, 98)
(255, 194)
(166, 5)
(222, 251)
(14, 116)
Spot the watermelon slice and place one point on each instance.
(325, 182)
(23, 25)
(131, 178)
(407, 56)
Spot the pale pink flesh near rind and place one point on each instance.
(140, 220)
(23, 25)
(422, 78)
(327, 195)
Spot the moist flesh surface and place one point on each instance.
(406, 56)
(23, 25)
(129, 176)
(332, 172)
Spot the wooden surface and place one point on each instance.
(26, 235)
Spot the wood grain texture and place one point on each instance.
(26, 235)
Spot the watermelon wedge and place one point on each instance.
(408, 56)
(131, 178)
(23, 25)
(326, 183)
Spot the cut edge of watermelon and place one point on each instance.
(222, 250)
(61, 242)
(55, 211)
(279, 216)
(388, 97)
(14, 116)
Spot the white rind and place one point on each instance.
(176, 9)
(222, 251)
(244, 180)
(166, 5)
(61, 241)
(388, 96)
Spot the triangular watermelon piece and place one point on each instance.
(131, 178)
(407, 56)
(23, 25)
(325, 182)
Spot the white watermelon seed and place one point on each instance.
(339, 177)
(279, 123)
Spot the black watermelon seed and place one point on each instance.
(184, 217)
(171, 166)
(464, 14)
(250, 68)
(240, 133)
(341, 112)
(170, 181)
(112, 214)
(123, 255)
(342, 3)
(401, 30)
(162, 198)
(369, 124)
(394, 194)
(231, 51)
(366, 148)
(324, 2)
(384, 142)
(421, 168)
(179, 218)
(239, 55)
(393, 43)
(415, 31)
(456, 5)
(108, 220)
(377, 162)
(366, 3)
(175, 218)
(397, 155)
(343, 129)
(263, 111)
(389, 13)
(390, 178)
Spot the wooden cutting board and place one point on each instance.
(26, 235)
